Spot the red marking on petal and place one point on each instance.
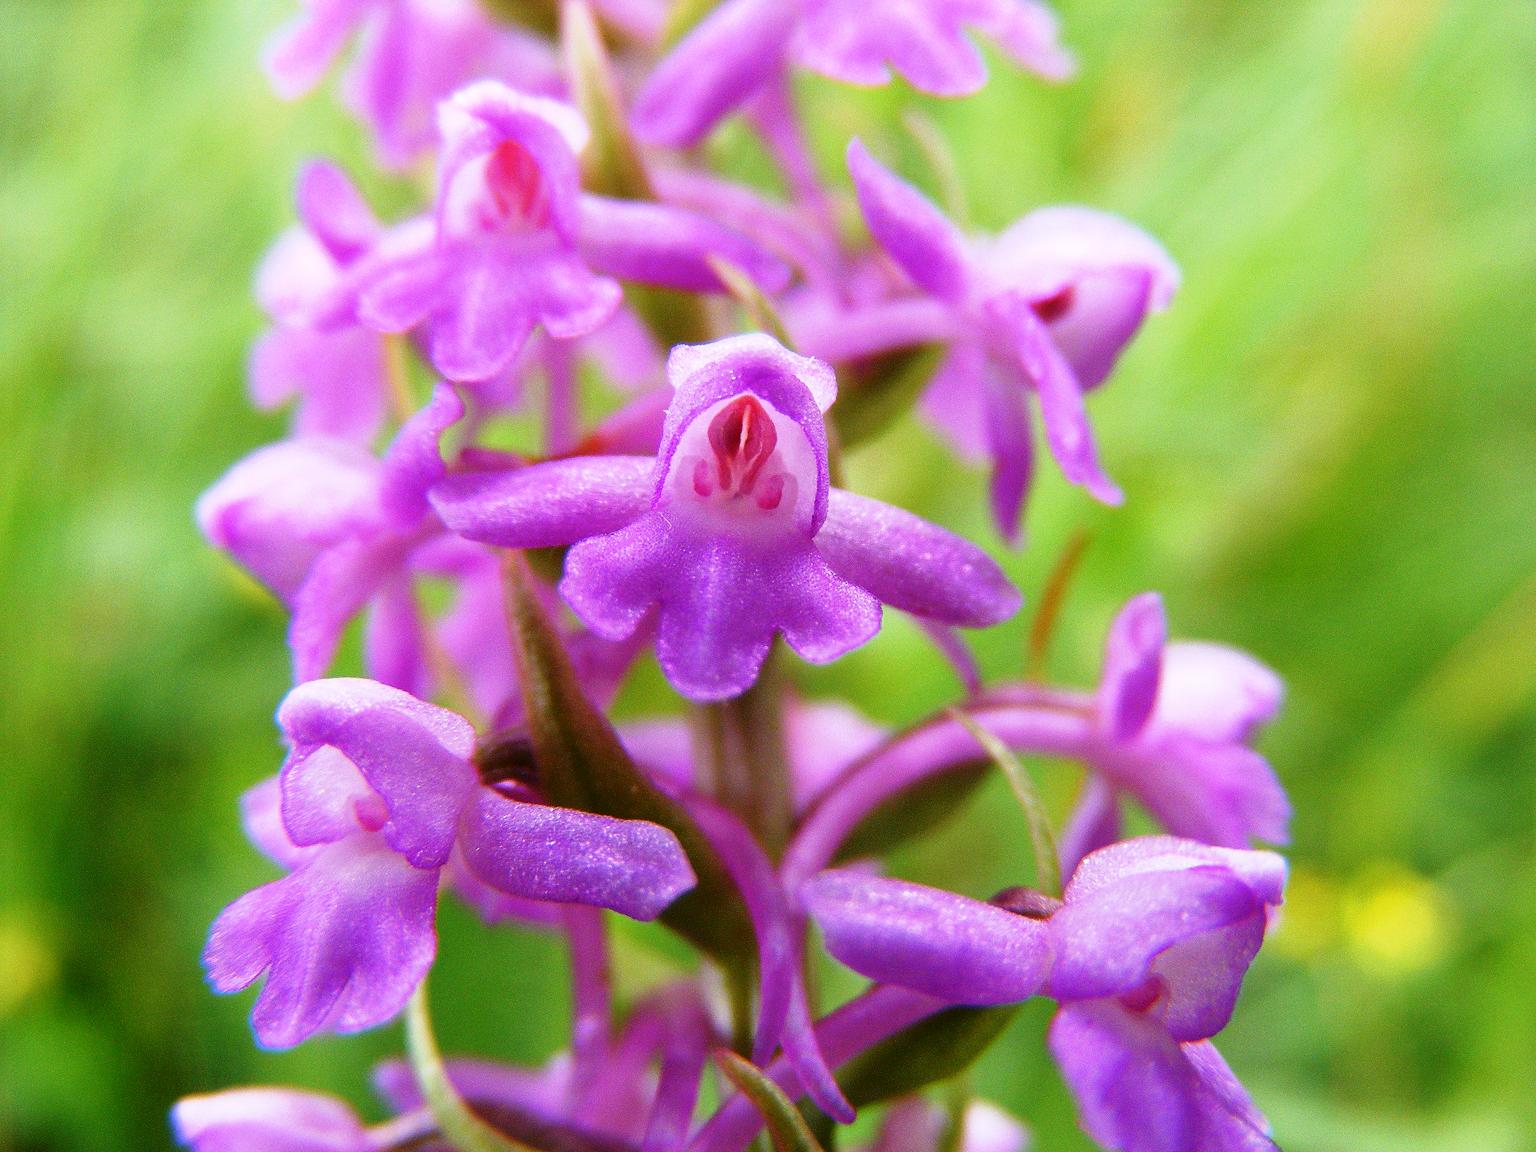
(1054, 306)
(771, 493)
(743, 438)
(516, 184)
(703, 483)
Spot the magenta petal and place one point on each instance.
(1095, 823)
(1221, 794)
(1111, 942)
(338, 375)
(325, 798)
(1107, 307)
(300, 53)
(1134, 1091)
(1133, 665)
(921, 40)
(658, 244)
(339, 584)
(778, 949)
(1062, 410)
(1011, 445)
(912, 564)
(281, 506)
(261, 815)
(1139, 1091)
(543, 853)
(267, 1120)
(334, 211)
(547, 505)
(344, 942)
(482, 322)
(1215, 692)
(414, 461)
(1264, 872)
(400, 293)
(394, 641)
(716, 68)
(1026, 29)
(952, 947)
(414, 754)
(720, 601)
(906, 224)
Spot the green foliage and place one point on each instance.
(1328, 446)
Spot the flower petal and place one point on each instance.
(909, 227)
(281, 506)
(414, 754)
(1062, 410)
(344, 942)
(334, 211)
(544, 853)
(1108, 943)
(1215, 692)
(949, 946)
(549, 504)
(1134, 1091)
(267, 1120)
(658, 244)
(1133, 665)
(715, 69)
(913, 565)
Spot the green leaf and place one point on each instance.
(786, 1127)
(1041, 839)
(914, 811)
(875, 393)
(581, 764)
(935, 1048)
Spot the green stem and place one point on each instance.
(1042, 840)
(459, 1126)
(744, 760)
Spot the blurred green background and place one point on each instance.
(1328, 445)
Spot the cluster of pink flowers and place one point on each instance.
(702, 520)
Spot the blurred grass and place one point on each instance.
(1329, 448)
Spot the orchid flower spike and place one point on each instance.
(377, 796)
(745, 45)
(733, 533)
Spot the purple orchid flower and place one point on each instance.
(746, 45)
(375, 796)
(316, 350)
(515, 242)
(1169, 727)
(331, 530)
(1175, 723)
(414, 53)
(733, 532)
(1146, 952)
(1045, 308)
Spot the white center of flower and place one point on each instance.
(743, 466)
